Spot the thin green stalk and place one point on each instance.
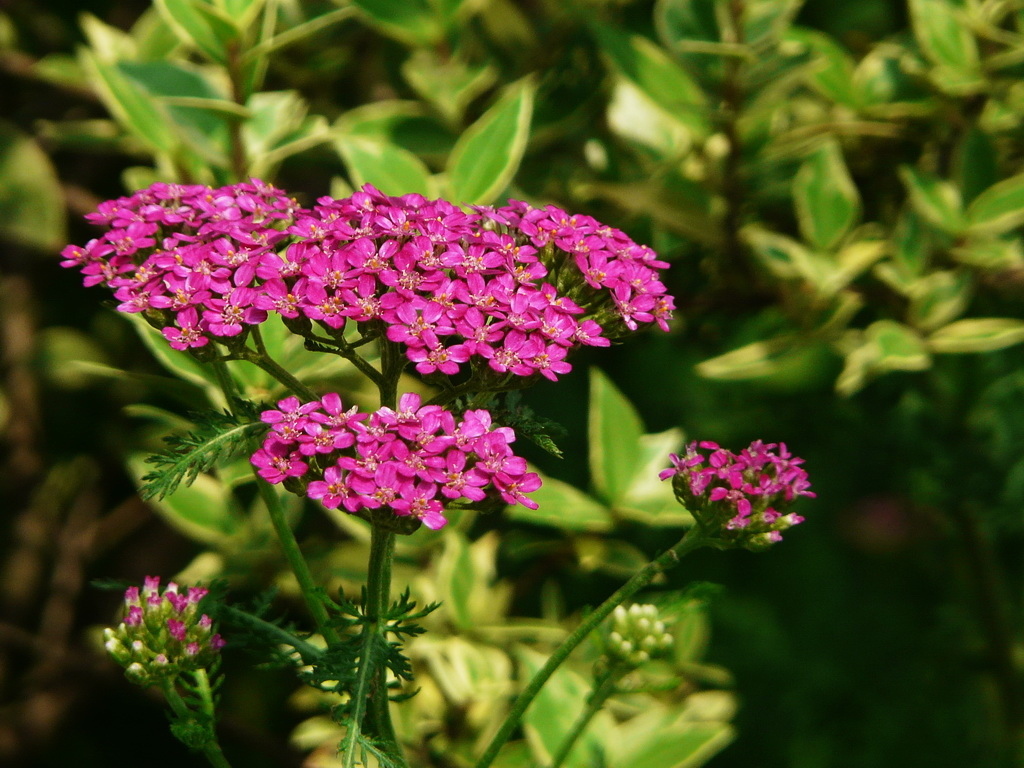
(595, 702)
(310, 653)
(392, 361)
(262, 360)
(378, 597)
(370, 695)
(360, 694)
(691, 541)
(296, 561)
(211, 751)
(285, 535)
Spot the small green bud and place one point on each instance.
(636, 635)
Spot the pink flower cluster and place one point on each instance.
(189, 250)
(163, 632)
(743, 491)
(408, 459)
(612, 265)
(515, 287)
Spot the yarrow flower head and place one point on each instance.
(162, 633)
(739, 498)
(511, 289)
(637, 635)
(411, 460)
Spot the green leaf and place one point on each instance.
(976, 163)
(982, 334)
(614, 430)
(276, 115)
(900, 348)
(565, 507)
(660, 737)
(203, 511)
(885, 87)
(457, 579)
(403, 123)
(996, 254)
(782, 256)
(486, 157)
(649, 500)
(217, 437)
(447, 83)
(648, 67)
(203, 31)
(193, 103)
(827, 202)
(939, 298)
(154, 38)
(680, 21)
(632, 115)
(133, 107)
(107, 42)
(241, 8)
(999, 208)
(178, 362)
(938, 202)
(912, 244)
(393, 170)
(833, 68)
(297, 33)
(32, 209)
(553, 712)
(755, 360)
(412, 22)
(947, 41)
(612, 556)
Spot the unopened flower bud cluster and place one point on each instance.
(637, 635)
(163, 633)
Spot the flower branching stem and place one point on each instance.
(211, 749)
(595, 702)
(264, 361)
(693, 539)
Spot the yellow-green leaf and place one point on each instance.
(648, 67)
(486, 157)
(827, 202)
(614, 430)
(981, 334)
(565, 507)
(999, 208)
(32, 210)
(393, 170)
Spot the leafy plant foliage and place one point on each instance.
(218, 436)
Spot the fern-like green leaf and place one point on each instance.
(217, 436)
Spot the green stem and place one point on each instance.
(691, 541)
(211, 750)
(370, 695)
(226, 383)
(260, 358)
(297, 563)
(378, 597)
(310, 653)
(392, 361)
(595, 702)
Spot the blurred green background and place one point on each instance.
(837, 187)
